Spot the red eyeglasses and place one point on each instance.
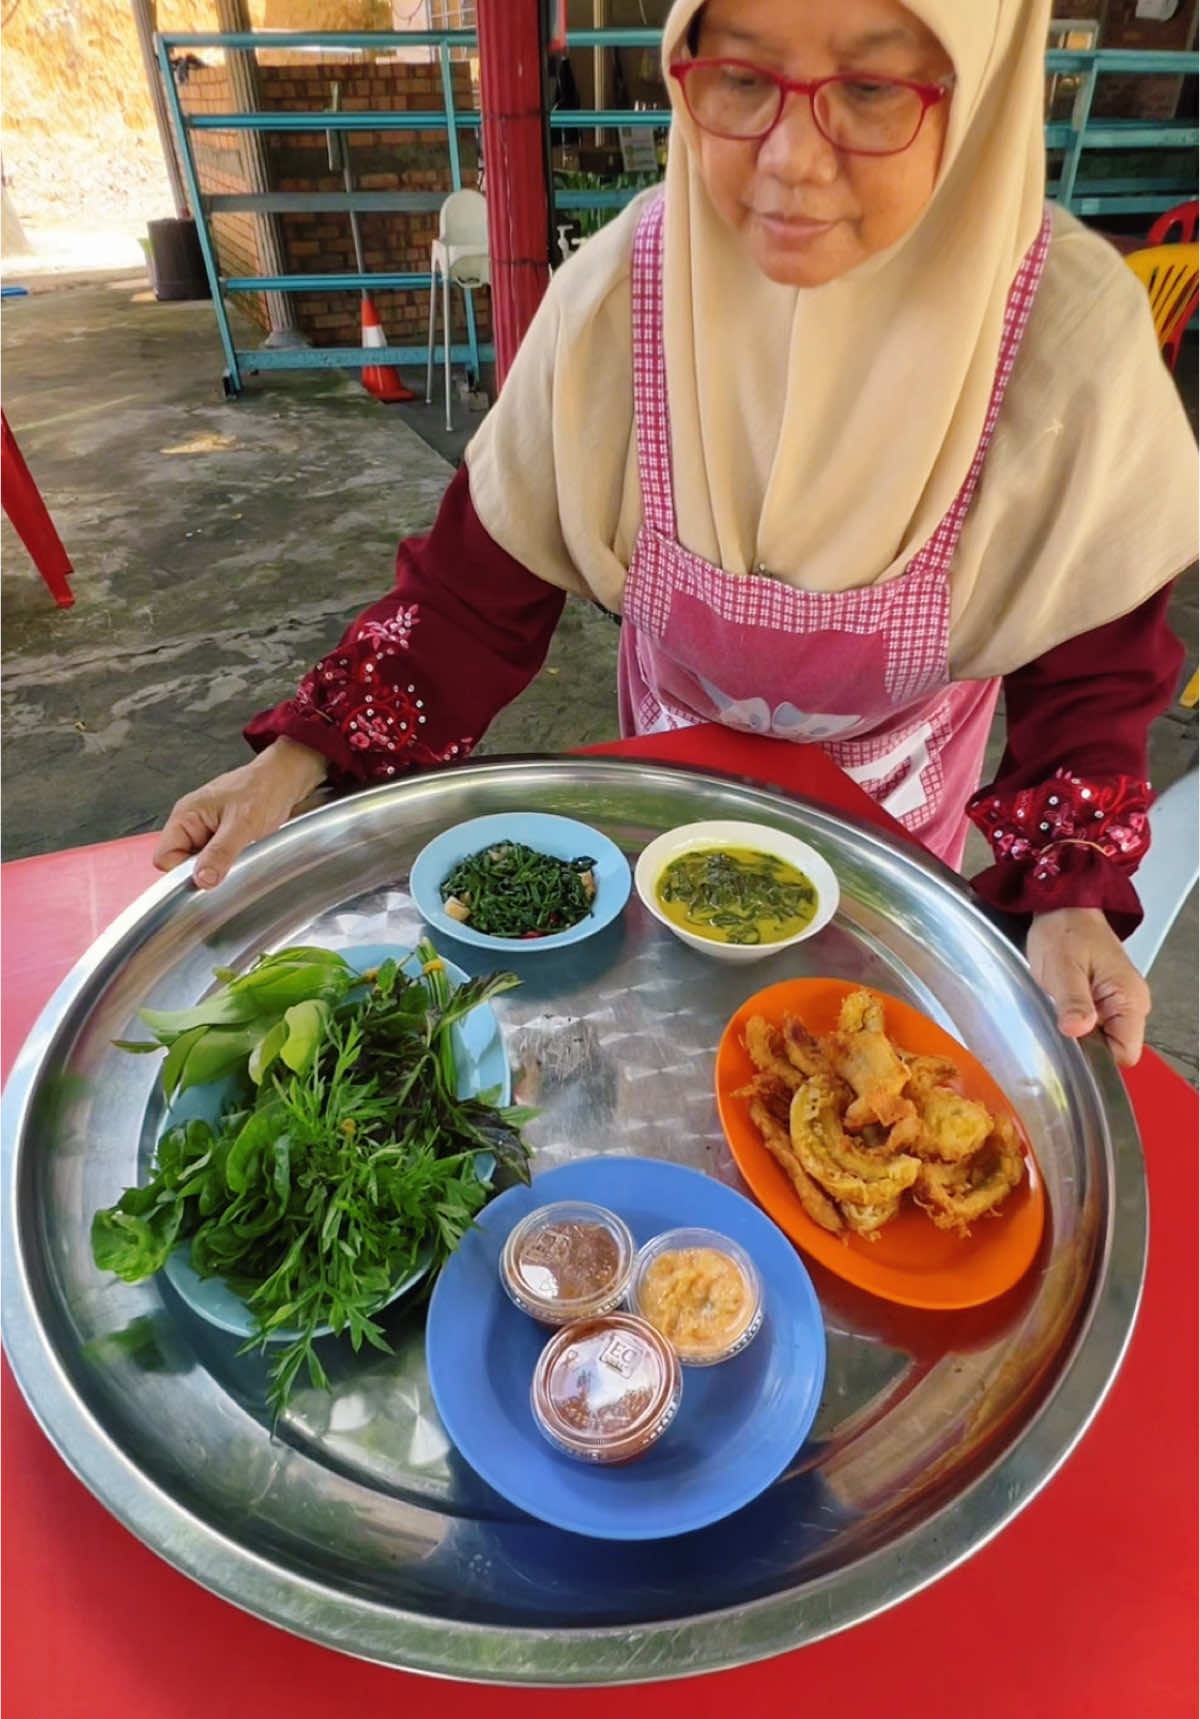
(858, 114)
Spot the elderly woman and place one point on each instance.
(850, 430)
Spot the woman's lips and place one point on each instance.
(793, 229)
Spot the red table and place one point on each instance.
(1085, 1607)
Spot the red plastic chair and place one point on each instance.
(1185, 216)
(31, 520)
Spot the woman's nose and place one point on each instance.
(795, 151)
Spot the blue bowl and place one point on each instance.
(561, 838)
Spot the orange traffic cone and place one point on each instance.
(379, 379)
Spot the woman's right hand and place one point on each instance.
(217, 821)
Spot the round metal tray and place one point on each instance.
(357, 1525)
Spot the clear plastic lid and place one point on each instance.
(606, 1389)
(570, 1260)
(701, 1290)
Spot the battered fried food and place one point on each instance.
(764, 1042)
(951, 1127)
(803, 1050)
(819, 1207)
(869, 1220)
(955, 1195)
(925, 1072)
(853, 1175)
(868, 1061)
(855, 1122)
(771, 1092)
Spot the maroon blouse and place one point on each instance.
(419, 675)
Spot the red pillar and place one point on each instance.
(510, 97)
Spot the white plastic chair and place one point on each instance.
(1169, 871)
(460, 255)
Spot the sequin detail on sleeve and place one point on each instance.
(1036, 826)
(362, 690)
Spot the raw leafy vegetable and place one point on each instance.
(277, 1009)
(352, 1162)
(511, 890)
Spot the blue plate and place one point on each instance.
(561, 838)
(482, 1067)
(740, 1423)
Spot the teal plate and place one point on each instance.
(482, 1067)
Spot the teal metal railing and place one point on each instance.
(1075, 138)
(1083, 134)
(1069, 143)
(203, 207)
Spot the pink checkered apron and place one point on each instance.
(865, 674)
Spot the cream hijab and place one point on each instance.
(822, 433)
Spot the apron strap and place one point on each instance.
(651, 418)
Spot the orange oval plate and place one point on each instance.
(912, 1262)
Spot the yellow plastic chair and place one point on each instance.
(1171, 276)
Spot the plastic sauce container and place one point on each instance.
(606, 1389)
(701, 1291)
(567, 1261)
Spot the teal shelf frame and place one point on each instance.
(1076, 138)
(241, 361)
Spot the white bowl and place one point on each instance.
(734, 833)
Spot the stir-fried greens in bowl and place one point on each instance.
(520, 881)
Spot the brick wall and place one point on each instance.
(1138, 97)
(321, 243)
(219, 165)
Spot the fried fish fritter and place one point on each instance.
(869, 1220)
(803, 1050)
(819, 1207)
(764, 1042)
(854, 1176)
(954, 1195)
(951, 1127)
(869, 1063)
(854, 1123)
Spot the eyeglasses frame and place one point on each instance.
(930, 95)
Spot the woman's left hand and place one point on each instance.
(1078, 961)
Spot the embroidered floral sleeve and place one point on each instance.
(417, 678)
(1066, 815)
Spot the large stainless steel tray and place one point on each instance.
(358, 1525)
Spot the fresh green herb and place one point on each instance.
(736, 895)
(511, 890)
(276, 1010)
(321, 1190)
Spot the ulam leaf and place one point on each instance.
(282, 1173)
(265, 1052)
(134, 1247)
(221, 1051)
(302, 952)
(177, 1056)
(385, 977)
(278, 988)
(472, 992)
(222, 1009)
(257, 1134)
(306, 1025)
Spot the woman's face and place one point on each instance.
(805, 210)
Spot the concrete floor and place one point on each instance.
(219, 549)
